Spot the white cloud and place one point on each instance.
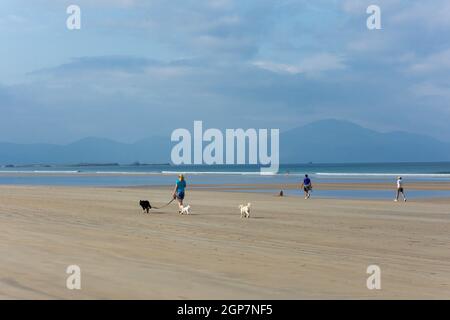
(418, 14)
(220, 4)
(311, 65)
(12, 20)
(358, 7)
(277, 67)
(415, 14)
(428, 89)
(434, 62)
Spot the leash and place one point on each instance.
(164, 205)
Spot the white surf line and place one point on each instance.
(426, 175)
(236, 173)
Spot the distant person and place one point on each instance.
(307, 186)
(400, 189)
(178, 191)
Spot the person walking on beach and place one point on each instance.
(178, 191)
(307, 186)
(400, 189)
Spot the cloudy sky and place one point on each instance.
(139, 68)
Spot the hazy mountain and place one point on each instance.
(322, 141)
(342, 141)
(88, 150)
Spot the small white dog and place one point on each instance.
(186, 210)
(245, 210)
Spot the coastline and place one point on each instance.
(348, 189)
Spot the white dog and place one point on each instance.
(245, 210)
(186, 210)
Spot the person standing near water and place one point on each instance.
(307, 186)
(178, 191)
(400, 189)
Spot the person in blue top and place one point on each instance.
(178, 191)
(307, 186)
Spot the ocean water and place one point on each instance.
(433, 168)
(151, 175)
(159, 174)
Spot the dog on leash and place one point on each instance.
(145, 205)
(186, 210)
(245, 210)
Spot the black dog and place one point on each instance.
(145, 205)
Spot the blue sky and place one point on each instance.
(141, 68)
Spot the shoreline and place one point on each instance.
(335, 175)
(290, 189)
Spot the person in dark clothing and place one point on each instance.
(307, 186)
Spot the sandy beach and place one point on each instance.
(289, 249)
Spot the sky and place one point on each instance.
(140, 68)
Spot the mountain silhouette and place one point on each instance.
(331, 141)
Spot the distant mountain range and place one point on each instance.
(326, 141)
(87, 150)
(342, 141)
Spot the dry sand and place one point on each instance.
(290, 248)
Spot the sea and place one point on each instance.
(117, 175)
